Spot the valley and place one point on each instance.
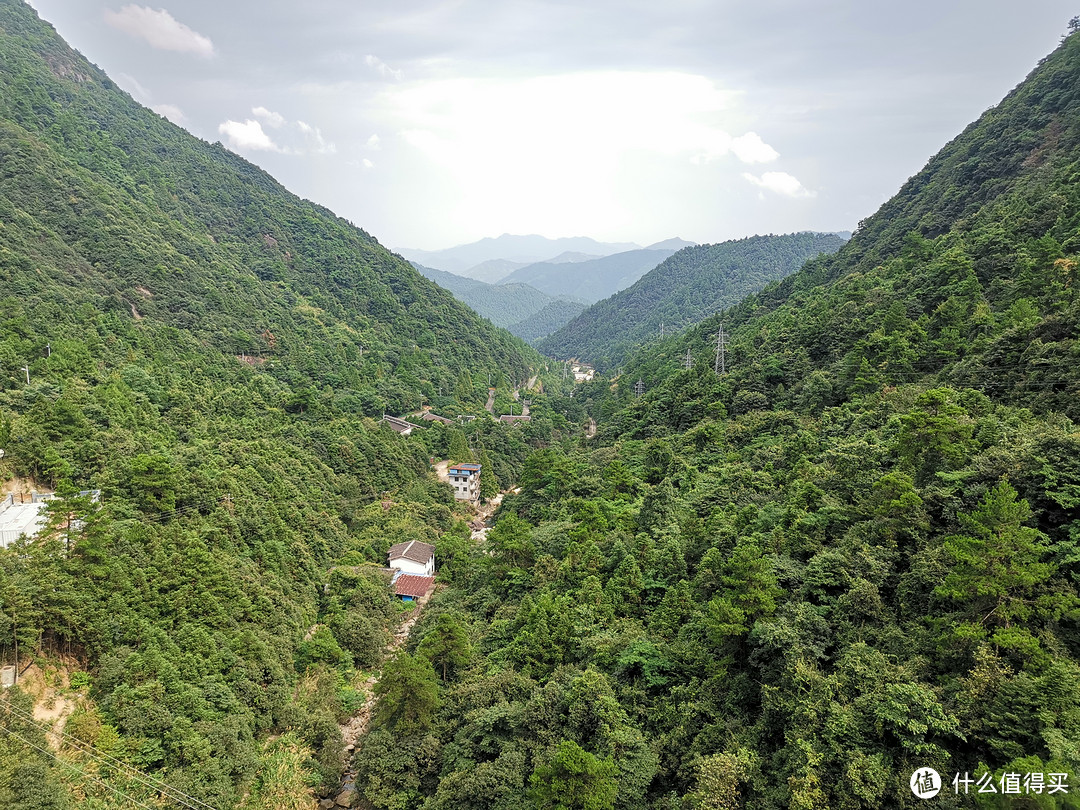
(800, 532)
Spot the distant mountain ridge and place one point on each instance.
(526, 249)
(687, 287)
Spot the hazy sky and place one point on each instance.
(431, 123)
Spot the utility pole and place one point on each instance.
(721, 360)
(26, 368)
(48, 350)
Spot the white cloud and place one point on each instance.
(367, 164)
(780, 183)
(248, 135)
(159, 29)
(172, 112)
(373, 142)
(293, 138)
(749, 148)
(382, 68)
(271, 119)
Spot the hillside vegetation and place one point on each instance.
(852, 557)
(682, 290)
(207, 350)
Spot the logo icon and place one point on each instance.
(926, 783)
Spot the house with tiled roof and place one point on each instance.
(413, 557)
(398, 425)
(428, 416)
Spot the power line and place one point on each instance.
(74, 767)
(102, 758)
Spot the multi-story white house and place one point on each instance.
(465, 479)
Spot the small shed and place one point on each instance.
(413, 557)
(410, 587)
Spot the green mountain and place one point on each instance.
(589, 280)
(685, 288)
(193, 237)
(520, 309)
(207, 350)
(806, 583)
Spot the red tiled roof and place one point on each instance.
(413, 550)
(413, 585)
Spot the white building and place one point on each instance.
(413, 557)
(465, 479)
(17, 519)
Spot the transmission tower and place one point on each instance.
(639, 388)
(688, 361)
(721, 344)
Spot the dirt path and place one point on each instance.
(357, 725)
(590, 430)
(354, 729)
(490, 407)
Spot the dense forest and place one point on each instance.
(696, 282)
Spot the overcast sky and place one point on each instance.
(431, 123)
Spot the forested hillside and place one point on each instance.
(791, 586)
(206, 349)
(694, 283)
(546, 320)
(102, 196)
(592, 279)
